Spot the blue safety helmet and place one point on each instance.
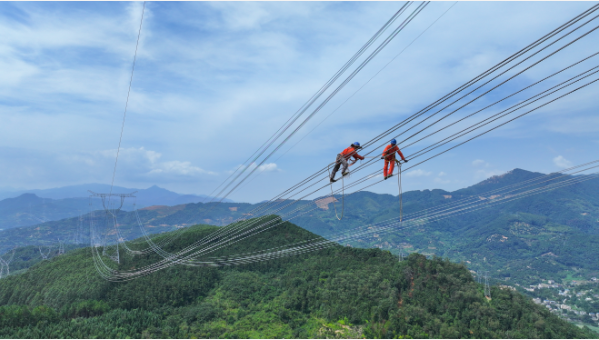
(393, 142)
(356, 144)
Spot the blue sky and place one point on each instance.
(214, 80)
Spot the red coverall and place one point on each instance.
(389, 155)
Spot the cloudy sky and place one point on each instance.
(214, 80)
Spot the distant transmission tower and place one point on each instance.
(45, 256)
(4, 264)
(112, 212)
(487, 288)
(60, 247)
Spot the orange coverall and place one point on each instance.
(389, 155)
(342, 159)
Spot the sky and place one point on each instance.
(214, 80)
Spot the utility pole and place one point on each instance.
(60, 247)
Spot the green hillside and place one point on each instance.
(550, 236)
(334, 292)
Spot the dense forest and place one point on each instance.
(336, 292)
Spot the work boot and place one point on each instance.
(345, 173)
(332, 180)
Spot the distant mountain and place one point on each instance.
(153, 195)
(38, 206)
(29, 209)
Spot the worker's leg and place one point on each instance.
(391, 166)
(345, 165)
(337, 165)
(385, 168)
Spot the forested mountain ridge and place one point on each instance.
(334, 292)
(550, 236)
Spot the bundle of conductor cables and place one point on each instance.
(575, 28)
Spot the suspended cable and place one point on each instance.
(127, 101)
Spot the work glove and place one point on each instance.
(405, 160)
(382, 157)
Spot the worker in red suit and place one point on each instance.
(343, 157)
(389, 157)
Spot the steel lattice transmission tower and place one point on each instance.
(5, 264)
(111, 212)
(487, 288)
(45, 256)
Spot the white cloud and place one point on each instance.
(418, 173)
(178, 168)
(268, 167)
(139, 159)
(561, 162)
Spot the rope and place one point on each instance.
(399, 185)
(342, 195)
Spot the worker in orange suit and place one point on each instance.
(342, 158)
(389, 157)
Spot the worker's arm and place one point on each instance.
(401, 155)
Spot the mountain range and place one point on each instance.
(30, 207)
(554, 235)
